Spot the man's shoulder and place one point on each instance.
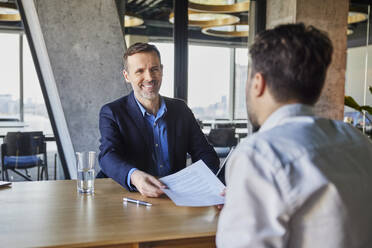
(300, 137)
(175, 103)
(118, 103)
(282, 144)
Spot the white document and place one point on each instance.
(195, 186)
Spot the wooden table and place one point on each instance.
(53, 214)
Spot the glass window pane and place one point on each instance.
(35, 112)
(167, 59)
(358, 67)
(155, 29)
(209, 82)
(241, 74)
(9, 71)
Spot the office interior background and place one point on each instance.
(205, 63)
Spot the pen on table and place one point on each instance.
(127, 199)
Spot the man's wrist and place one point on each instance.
(129, 184)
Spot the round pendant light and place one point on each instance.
(9, 12)
(208, 19)
(218, 6)
(355, 17)
(228, 31)
(131, 20)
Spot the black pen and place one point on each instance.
(138, 202)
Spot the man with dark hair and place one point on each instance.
(301, 180)
(145, 135)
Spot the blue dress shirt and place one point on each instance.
(157, 131)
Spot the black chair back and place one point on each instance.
(24, 143)
(222, 137)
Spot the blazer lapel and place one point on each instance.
(136, 115)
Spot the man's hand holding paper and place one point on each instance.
(196, 186)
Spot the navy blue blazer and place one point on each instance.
(125, 145)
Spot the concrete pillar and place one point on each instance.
(85, 47)
(329, 16)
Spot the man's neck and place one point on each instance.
(151, 105)
(270, 108)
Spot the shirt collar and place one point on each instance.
(282, 113)
(161, 111)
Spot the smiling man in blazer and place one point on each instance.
(145, 135)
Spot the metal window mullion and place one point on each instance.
(366, 71)
(180, 36)
(21, 106)
(232, 85)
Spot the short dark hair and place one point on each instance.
(139, 47)
(293, 60)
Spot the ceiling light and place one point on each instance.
(9, 12)
(208, 19)
(131, 20)
(229, 31)
(218, 6)
(355, 17)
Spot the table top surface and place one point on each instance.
(52, 213)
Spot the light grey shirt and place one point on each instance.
(301, 181)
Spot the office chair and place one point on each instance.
(222, 139)
(24, 150)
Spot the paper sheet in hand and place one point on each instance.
(196, 186)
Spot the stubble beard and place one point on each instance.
(151, 95)
(253, 120)
(252, 117)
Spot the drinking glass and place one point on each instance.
(85, 171)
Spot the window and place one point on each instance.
(241, 74)
(359, 70)
(35, 112)
(21, 98)
(209, 82)
(167, 59)
(9, 71)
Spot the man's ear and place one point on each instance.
(258, 84)
(125, 73)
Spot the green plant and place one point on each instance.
(350, 102)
